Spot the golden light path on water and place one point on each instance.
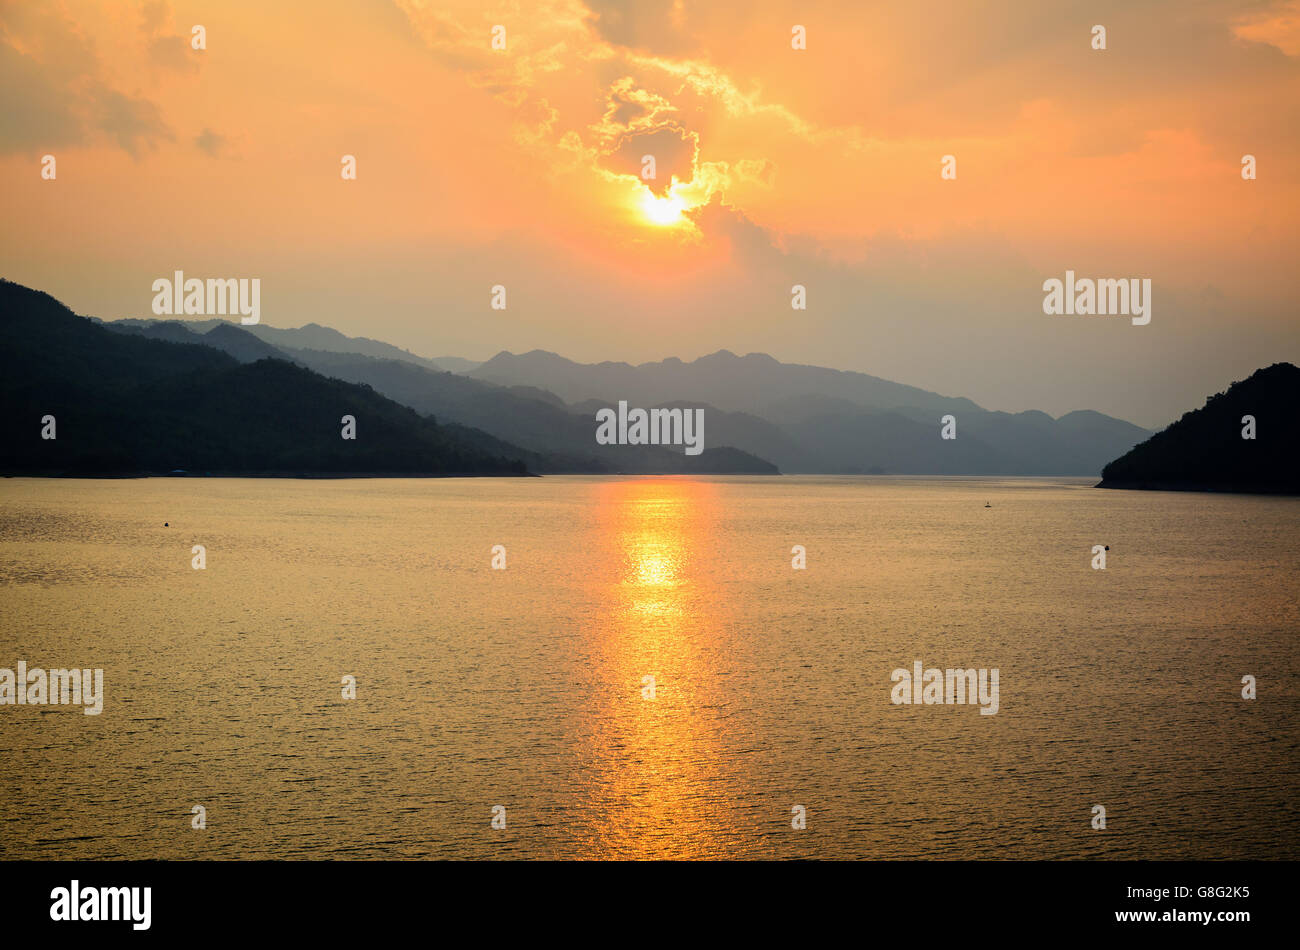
(655, 789)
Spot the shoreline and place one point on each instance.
(1197, 487)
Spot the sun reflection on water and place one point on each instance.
(652, 757)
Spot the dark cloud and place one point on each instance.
(674, 150)
(42, 116)
(751, 244)
(65, 101)
(172, 51)
(650, 25)
(154, 14)
(135, 124)
(622, 111)
(211, 142)
(628, 105)
(166, 49)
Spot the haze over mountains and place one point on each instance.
(816, 420)
(313, 336)
(79, 399)
(802, 419)
(157, 398)
(537, 410)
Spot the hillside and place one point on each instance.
(723, 379)
(808, 419)
(1205, 451)
(802, 419)
(125, 404)
(312, 336)
(563, 440)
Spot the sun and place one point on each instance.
(663, 211)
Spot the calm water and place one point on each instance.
(523, 687)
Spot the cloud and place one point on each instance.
(66, 99)
(211, 142)
(656, 26)
(759, 171)
(165, 49)
(752, 245)
(43, 116)
(172, 51)
(135, 124)
(154, 14)
(673, 149)
(1278, 24)
(631, 106)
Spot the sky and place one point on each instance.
(522, 167)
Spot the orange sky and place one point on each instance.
(820, 166)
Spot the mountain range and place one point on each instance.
(157, 398)
(312, 336)
(80, 399)
(803, 419)
(536, 410)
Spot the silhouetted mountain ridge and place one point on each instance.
(722, 379)
(538, 421)
(1205, 449)
(811, 419)
(311, 336)
(126, 404)
(805, 419)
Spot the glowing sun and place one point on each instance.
(662, 211)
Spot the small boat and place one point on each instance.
(987, 505)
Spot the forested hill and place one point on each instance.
(1205, 450)
(123, 405)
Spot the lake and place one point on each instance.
(526, 687)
